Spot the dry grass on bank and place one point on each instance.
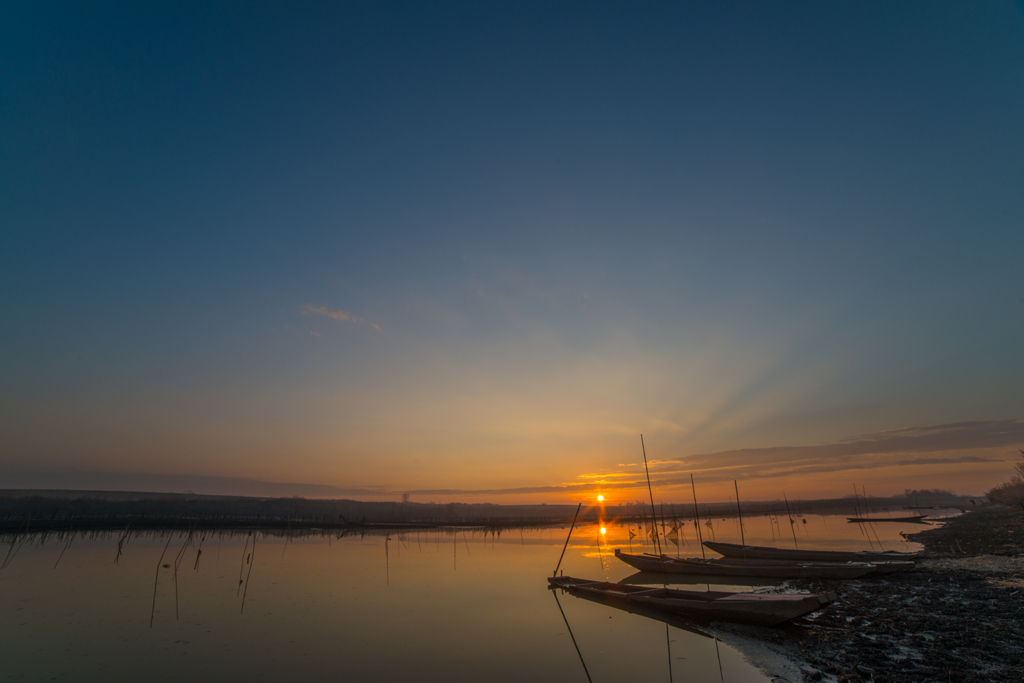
(1010, 492)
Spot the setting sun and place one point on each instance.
(600, 498)
(603, 530)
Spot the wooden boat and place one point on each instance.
(760, 568)
(753, 552)
(683, 580)
(914, 519)
(747, 608)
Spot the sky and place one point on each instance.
(472, 251)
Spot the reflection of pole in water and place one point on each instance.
(120, 543)
(875, 532)
(555, 593)
(668, 643)
(720, 674)
(15, 539)
(71, 537)
(177, 561)
(155, 579)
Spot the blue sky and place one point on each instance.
(542, 231)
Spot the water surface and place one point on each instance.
(453, 604)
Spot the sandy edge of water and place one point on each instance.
(774, 661)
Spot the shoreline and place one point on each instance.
(958, 617)
(63, 511)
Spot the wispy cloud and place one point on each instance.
(952, 444)
(882, 446)
(606, 475)
(963, 442)
(330, 313)
(339, 315)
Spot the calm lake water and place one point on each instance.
(449, 605)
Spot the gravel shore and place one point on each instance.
(958, 617)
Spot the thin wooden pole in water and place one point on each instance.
(696, 512)
(555, 593)
(252, 561)
(199, 552)
(790, 518)
(241, 566)
(739, 514)
(650, 490)
(560, 557)
(864, 528)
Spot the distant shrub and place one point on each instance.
(1010, 492)
(928, 493)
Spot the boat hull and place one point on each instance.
(751, 552)
(763, 569)
(916, 519)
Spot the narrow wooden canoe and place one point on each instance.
(747, 608)
(753, 552)
(685, 580)
(758, 568)
(914, 519)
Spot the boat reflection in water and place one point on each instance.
(705, 632)
(762, 609)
